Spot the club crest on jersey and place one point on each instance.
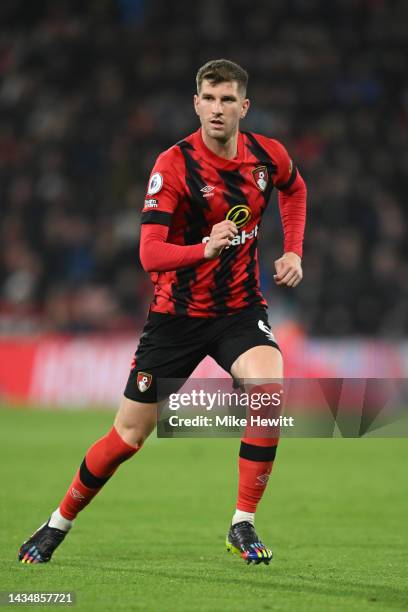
(155, 183)
(239, 214)
(143, 381)
(260, 176)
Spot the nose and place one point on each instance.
(217, 107)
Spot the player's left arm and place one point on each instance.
(292, 207)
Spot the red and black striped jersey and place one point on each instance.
(190, 190)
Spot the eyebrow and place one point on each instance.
(227, 97)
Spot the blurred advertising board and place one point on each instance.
(81, 371)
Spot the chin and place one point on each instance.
(217, 135)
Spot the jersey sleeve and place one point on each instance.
(286, 171)
(292, 194)
(163, 191)
(157, 255)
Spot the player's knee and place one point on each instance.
(134, 422)
(258, 362)
(134, 436)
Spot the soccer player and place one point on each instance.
(200, 223)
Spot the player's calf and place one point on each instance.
(99, 464)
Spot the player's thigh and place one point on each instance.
(246, 346)
(135, 421)
(258, 362)
(169, 350)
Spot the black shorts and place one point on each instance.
(171, 346)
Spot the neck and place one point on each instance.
(228, 149)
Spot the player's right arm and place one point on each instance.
(221, 235)
(163, 195)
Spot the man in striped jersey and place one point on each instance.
(200, 225)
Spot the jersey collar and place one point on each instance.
(216, 160)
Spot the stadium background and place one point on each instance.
(90, 92)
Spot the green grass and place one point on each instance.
(335, 514)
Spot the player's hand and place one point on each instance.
(288, 270)
(221, 236)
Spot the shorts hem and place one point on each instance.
(141, 401)
(227, 366)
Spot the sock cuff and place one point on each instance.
(257, 453)
(261, 441)
(104, 457)
(88, 479)
(115, 437)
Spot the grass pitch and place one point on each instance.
(335, 514)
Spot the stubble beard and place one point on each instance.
(222, 138)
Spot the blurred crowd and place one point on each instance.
(91, 91)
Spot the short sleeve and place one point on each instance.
(163, 192)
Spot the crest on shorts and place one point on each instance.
(143, 381)
(260, 176)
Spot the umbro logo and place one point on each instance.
(76, 494)
(207, 191)
(263, 479)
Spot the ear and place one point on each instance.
(245, 106)
(196, 102)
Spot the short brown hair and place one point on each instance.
(221, 70)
